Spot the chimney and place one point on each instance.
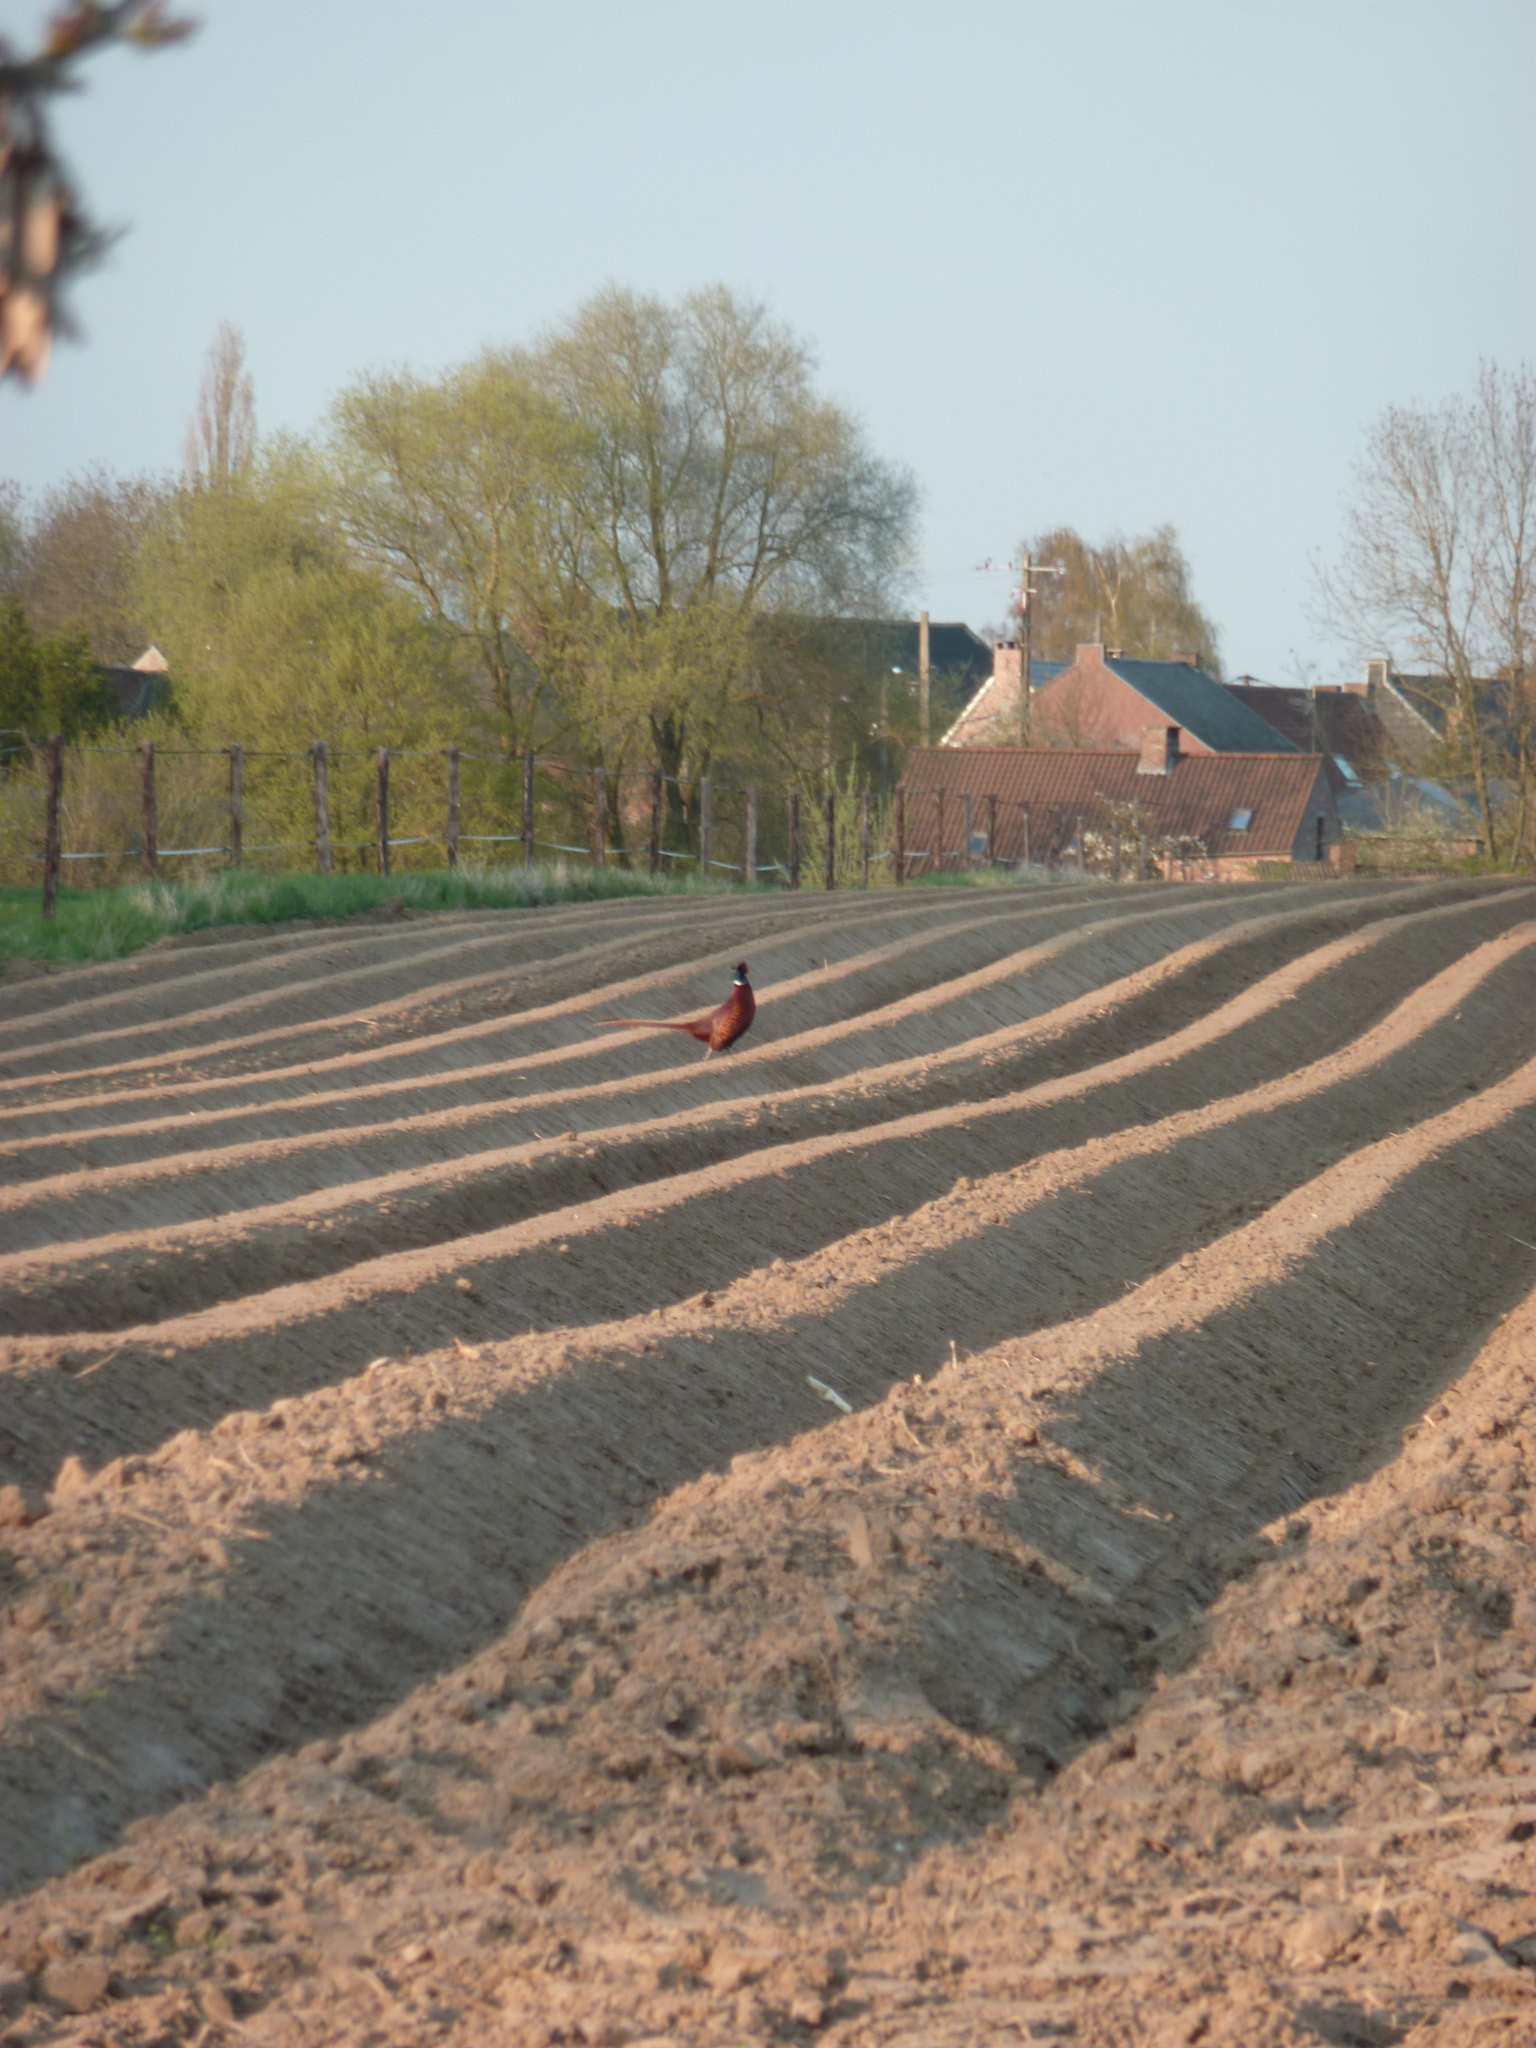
(1159, 749)
(1006, 664)
(1375, 677)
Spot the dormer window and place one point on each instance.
(1239, 821)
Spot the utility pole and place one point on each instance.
(1029, 569)
(922, 676)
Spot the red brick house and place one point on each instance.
(1104, 701)
(1208, 817)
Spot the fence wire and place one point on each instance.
(276, 810)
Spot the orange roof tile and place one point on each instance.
(1196, 799)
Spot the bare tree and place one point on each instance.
(221, 439)
(45, 236)
(77, 561)
(1132, 594)
(1437, 569)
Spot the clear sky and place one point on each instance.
(1101, 263)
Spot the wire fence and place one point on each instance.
(106, 815)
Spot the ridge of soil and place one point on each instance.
(1000, 1511)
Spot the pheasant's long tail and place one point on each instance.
(646, 1023)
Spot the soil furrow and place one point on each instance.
(608, 1683)
(479, 1091)
(707, 1228)
(245, 1249)
(570, 972)
(64, 996)
(1074, 1527)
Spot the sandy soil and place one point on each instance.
(998, 1511)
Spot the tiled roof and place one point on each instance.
(1188, 697)
(1337, 723)
(1196, 799)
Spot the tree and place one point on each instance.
(48, 686)
(276, 635)
(718, 488)
(602, 517)
(1133, 595)
(12, 538)
(47, 237)
(21, 699)
(221, 440)
(1437, 567)
(78, 554)
(446, 488)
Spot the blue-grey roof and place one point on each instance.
(1403, 798)
(1188, 697)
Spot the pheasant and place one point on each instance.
(715, 1031)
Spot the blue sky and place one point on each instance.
(1102, 264)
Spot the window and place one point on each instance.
(1239, 821)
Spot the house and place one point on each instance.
(1335, 721)
(1104, 701)
(886, 647)
(1401, 704)
(1208, 816)
(991, 718)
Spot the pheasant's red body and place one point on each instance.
(719, 1029)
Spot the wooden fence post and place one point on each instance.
(1114, 862)
(147, 793)
(599, 842)
(706, 826)
(658, 794)
(899, 837)
(1141, 854)
(236, 804)
(381, 807)
(1026, 835)
(749, 845)
(452, 835)
(51, 847)
(938, 831)
(528, 807)
(794, 838)
(991, 831)
(322, 810)
(965, 812)
(863, 838)
(1082, 851)
(830, 807)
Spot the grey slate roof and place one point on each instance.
(1188, 697)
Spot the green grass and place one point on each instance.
(105, 924)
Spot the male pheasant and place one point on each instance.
(717, 1030)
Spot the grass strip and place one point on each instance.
(106, 924)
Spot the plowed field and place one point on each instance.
(996, 1510)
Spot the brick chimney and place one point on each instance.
(1159, 749)
(1007, 661)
